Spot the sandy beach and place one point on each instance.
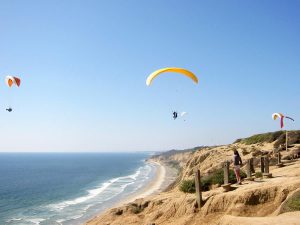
(154, 186)
(164, 176)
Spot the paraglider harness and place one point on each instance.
(9, 109)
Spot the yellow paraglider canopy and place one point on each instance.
(171, 69)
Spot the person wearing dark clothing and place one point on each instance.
(237, 162)
(9, 109)
(174, 115)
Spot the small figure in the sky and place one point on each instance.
(175, 115)
(9, 109)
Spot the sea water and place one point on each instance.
(67, 188)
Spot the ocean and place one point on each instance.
(67, 188)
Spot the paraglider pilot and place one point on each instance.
(174, 115)
(9, 109)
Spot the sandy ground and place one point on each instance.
(290, 218)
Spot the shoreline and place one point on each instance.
(155, 186)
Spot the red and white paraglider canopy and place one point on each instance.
(10, 81)
(281, 117)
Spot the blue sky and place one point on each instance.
(83, 66)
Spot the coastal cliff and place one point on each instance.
(262, 201)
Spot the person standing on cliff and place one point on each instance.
(237, 162)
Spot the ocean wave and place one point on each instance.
(31, 220)
(71, 210)
(134, 176)
(91, 194)
(108, 189)
(13, 220)
(35, 220)
(70, 218)
(121, 184)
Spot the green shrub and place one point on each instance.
(188, 186)
(205, 183)
(217, 177)
(238, 140)
(293, 203)
(136, 210)
(258, 174)
(243, 174)
(260, 138)
(232, 178)
(293, 138)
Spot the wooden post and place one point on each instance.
(266, 164)
(286, 140)
(279, 163)
(226, 186)
(198, 188)
(262, 164)
(252, 165)
(248, 168)
(267, 173)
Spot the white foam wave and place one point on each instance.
(61, 221)
(91, 194)
(73, 209)
(98, 190)
(135, 176)
(35, 220)
(31, 220)
(13, 219)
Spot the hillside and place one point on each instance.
(262, 201)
